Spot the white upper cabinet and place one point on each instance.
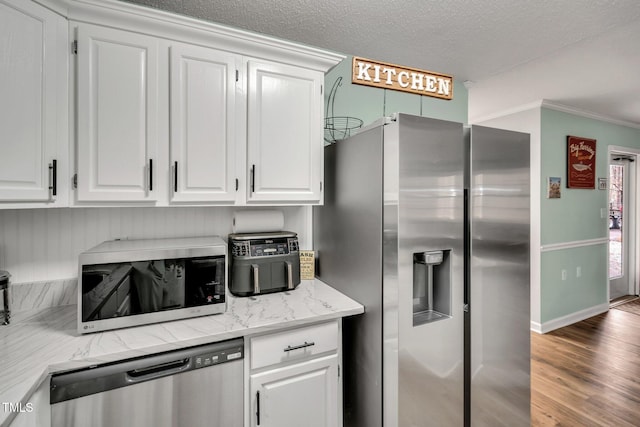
(117, 88)
(33, 85)
(203, 127)
(154, 109)
(284, 133)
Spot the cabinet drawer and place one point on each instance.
(293, 345)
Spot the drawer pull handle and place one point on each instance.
(298, 347)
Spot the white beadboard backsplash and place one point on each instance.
(44, 244)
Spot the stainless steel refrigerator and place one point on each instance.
(426, 223)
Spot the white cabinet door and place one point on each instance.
(203, 99)
(116, 115)
(29, 71)
(284, 133)
(304, 394)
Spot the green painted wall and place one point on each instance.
(369, 104)
(565, 297)
(575, 216)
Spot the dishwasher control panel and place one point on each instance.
(213, 358)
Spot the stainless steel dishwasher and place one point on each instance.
(197, 386)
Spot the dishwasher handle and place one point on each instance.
(158, 371)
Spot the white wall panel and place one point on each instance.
(43, 244)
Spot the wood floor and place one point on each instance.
(588, 374)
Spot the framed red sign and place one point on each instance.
(581, 162)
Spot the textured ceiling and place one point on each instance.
(473, 40)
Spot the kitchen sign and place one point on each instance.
(581, 162)
(389, 76)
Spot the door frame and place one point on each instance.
(631, 211)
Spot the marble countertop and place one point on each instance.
(40, 342)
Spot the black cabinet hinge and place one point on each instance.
(321, 89)
(74, 182)
(237, 75)
(74, 47)
(237, 186)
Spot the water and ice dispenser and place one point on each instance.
(431, 286)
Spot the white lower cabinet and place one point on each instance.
(295, 378)
(301, 394)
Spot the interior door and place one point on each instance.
(621, 172)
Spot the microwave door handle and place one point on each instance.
(256, 279)
(289, 275)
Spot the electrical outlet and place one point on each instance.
(564, 274)
(578, 271)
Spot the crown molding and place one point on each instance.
(163, 24)
(543, 103)
(587, 114)
(509, 111)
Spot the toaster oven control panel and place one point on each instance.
(264, 247)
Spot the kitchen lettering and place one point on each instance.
(388, 76)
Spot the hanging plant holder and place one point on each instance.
(338, 127)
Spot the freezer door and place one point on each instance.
(423, 272)
(499, 278)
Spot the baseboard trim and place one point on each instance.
(560, 322)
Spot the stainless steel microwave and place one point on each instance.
(124, 283)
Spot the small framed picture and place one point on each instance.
(602, 184)
(553, 187)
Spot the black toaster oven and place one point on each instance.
(261, 263)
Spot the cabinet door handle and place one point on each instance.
(53, 169)
(258, 407)
(253, 178)
(150, 174)
(298, 347)
(175, 176)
